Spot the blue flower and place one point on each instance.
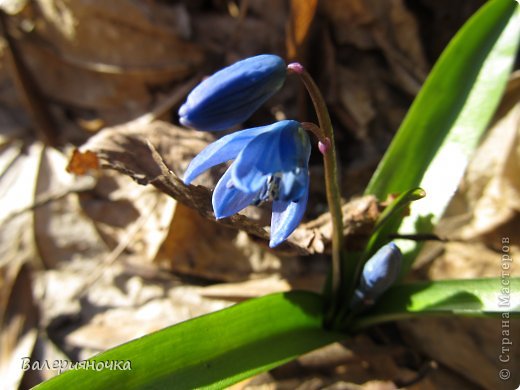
(231, 95)
(379, 273)
(271, 164)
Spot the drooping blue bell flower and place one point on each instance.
(379, 273)
(233, 94)
(271, 164)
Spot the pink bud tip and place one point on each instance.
(324, 146)
(296, 67)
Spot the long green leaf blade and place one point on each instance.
(489, 297)
(442, 177)
(456, 102)
(448, 117)
(215, 350)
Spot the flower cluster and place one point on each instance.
(270, 162)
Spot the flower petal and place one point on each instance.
(295, 146)
(255, 162)
(231, 95)
(227, 199)
(264, 155)
(222, 150)
(287, 215)
(293, 184)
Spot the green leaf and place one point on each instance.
(443, 127)
(392, 212)
(215, 350)
(458, 99)
(490, 297)
(355, 261)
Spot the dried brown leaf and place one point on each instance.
(81, 163)
(246, 290)
(28, 90)
(250, 36)
(13, 7)
(18, 322)
(19, 165)
(158, 152)
(40, 219)
(386, 26)
(129, 218)
(301, 16)
(61, 231)
(125, 307)
(200, 247)
(95, 55)
(466, 343)
(492, 181)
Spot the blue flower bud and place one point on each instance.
(233, 94)
(379, 273)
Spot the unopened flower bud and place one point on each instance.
(379, 273)
(233, 94)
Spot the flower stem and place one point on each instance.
(331, 180)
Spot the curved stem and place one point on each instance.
(331, 174)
